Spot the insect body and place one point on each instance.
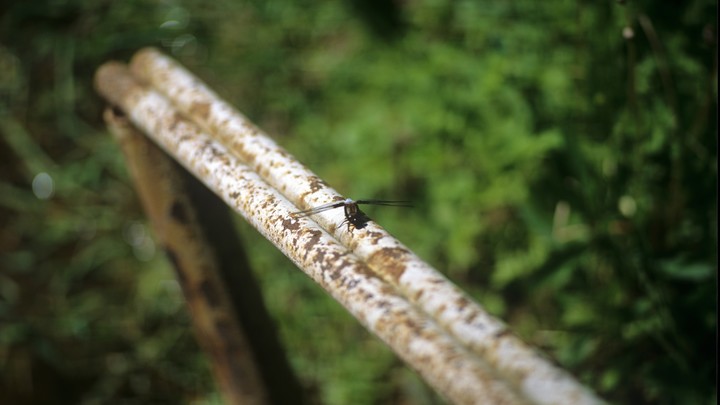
(353, 215)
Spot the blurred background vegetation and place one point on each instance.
(562, 156)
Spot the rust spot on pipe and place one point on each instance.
(316, 183)
(470, 318)
(375, 237)
(310, 244)
(461, 303)
(502, 333)
(391, 260)
(291, 224)
(202, 109)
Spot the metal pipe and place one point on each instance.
(419, 341)
(467, 321)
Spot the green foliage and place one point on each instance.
(562, 156)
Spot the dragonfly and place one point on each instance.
(353, 215)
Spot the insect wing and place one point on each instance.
(386, 202)
(318, 209)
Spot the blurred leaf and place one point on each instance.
(679, 269)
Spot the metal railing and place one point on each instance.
(459, 349)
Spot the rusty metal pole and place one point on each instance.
(481, 333)
(418, 340)
(166, 203)
(229, 314)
